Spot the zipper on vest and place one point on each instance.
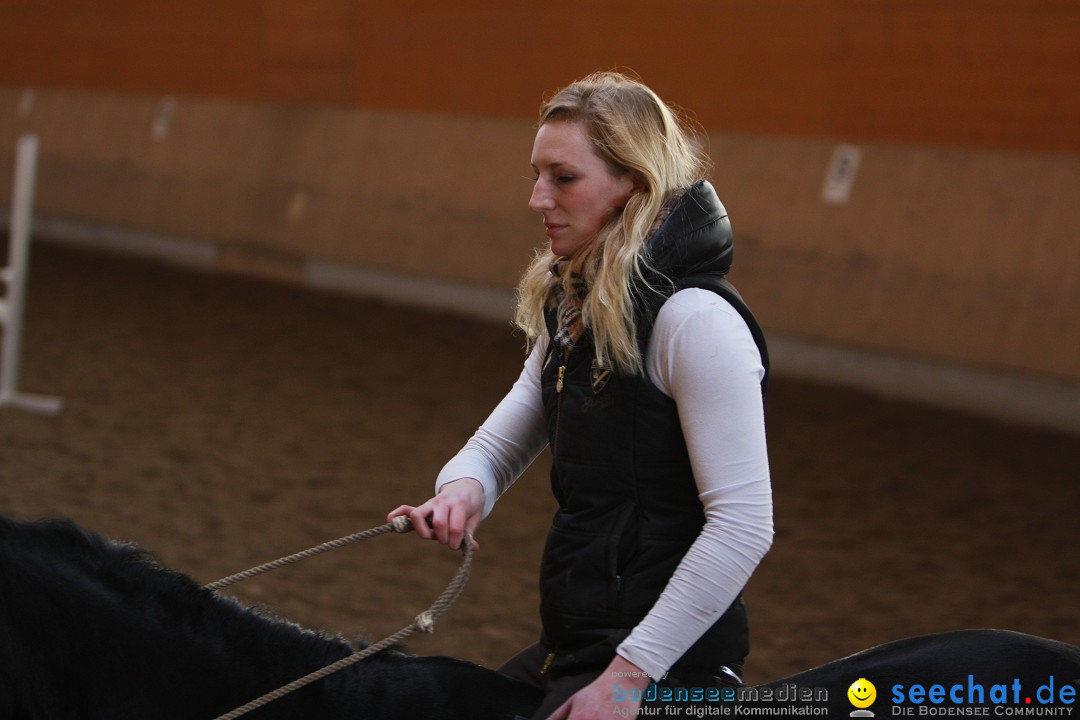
(558, 410)
(558, 399)
(547, 662)
(558, 403)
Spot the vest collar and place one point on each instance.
(695, 238)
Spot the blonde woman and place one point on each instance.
(645, 377)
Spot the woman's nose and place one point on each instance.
(541, 199)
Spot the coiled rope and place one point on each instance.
(424, 622)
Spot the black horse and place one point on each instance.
(92, 629)
(97, 630)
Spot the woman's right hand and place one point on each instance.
(457, 508)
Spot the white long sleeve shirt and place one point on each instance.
(701, 354)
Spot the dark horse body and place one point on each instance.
(95, 630)
(91, 629)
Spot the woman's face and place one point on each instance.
(575, 191)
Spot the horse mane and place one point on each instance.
(61, 586)
(98, 629)
(57, 552)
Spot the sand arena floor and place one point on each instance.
(222, 422)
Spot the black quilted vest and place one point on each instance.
(628, 505)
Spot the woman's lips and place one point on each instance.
(553, 228)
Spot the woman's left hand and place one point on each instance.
(597, 699)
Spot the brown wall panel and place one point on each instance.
(130, 46)
(308, 50)
(992, 73)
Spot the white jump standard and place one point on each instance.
(14, 280)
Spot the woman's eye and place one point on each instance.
(560, 179)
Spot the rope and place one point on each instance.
(400, 524)
(424, 622)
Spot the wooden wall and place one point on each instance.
(393, 136)
(993, 73)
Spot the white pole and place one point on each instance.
(14, 276)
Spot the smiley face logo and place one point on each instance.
(862, 693)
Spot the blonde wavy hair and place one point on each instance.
(633, 131)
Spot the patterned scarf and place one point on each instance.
(571, 327)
